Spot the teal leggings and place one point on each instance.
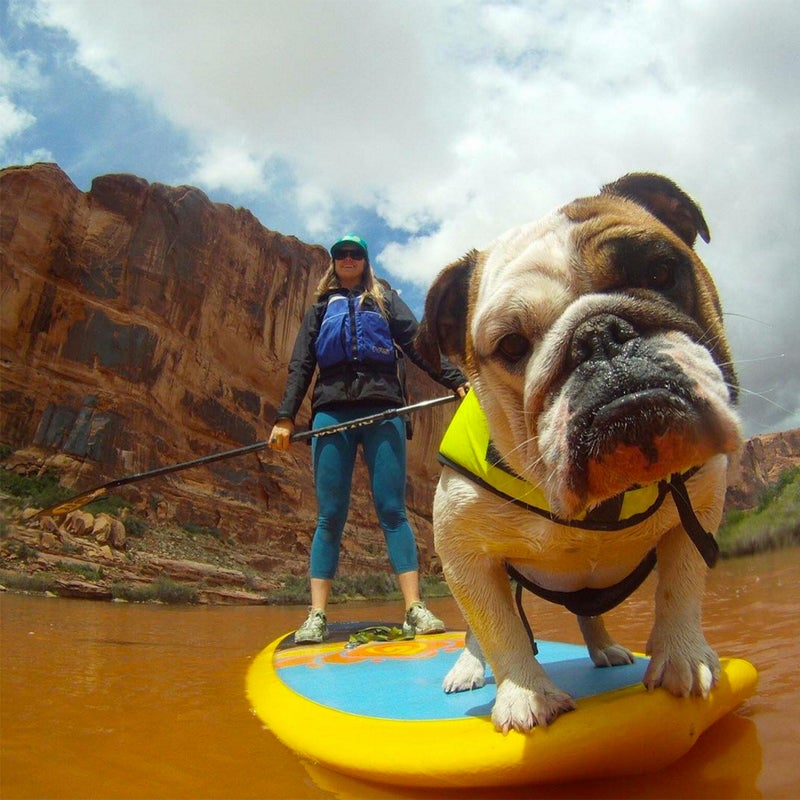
(384, 446)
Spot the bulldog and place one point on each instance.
(594, 441)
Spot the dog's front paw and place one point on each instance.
(683, 672)
(521, 709)
(615, 655)
(603, 650)
(467, 673)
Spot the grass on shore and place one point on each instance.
(773, 524)
(369, 586)
(162, 590)
(294, 591)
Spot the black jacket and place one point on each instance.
(359, 385)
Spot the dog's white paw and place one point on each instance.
(683, 673)
(614, 655)
(521, 709)
(467, 673)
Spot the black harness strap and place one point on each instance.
(703, 540)
(522, 615)
(589, 602)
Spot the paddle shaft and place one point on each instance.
(99, 491)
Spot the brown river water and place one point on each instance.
(112, 700)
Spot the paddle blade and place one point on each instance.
(80, 500)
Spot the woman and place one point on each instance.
(348, 339)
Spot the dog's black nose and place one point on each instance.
(600, 337)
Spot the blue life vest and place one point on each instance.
(351, 333)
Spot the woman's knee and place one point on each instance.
(391, 517)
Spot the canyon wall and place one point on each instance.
(144, 325)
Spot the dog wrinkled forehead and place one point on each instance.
(528, 274)
(546, 245)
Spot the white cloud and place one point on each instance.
(334, 88)
(37, 156)
(453, 120)
(13, 120)
(17, 75)
(231, 167)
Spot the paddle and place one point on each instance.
(59, 509)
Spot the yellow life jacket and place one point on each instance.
(467, 448)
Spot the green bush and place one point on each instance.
(773, 524)
(732, 517)
(434, 586)
(771, 493)
(39, 491)
(23, 551)
(372, 586)
(202, 530)
(22, 582)
(295, 591)
(88, 571)
(168, 591)
(132, 594)
(110, 504)
(162, 589)
(135, 526)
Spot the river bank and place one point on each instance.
(87, 557)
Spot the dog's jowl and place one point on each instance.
(594, 442)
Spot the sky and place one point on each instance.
(432, 126)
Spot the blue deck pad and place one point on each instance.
(409, 686)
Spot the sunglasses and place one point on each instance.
(356, 255)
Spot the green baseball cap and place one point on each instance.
(350, 238)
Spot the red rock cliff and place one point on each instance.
(144, 325)
(759, 465)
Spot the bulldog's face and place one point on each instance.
(594, 341)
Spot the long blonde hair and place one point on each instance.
(372, 285)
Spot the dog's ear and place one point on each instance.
(444, 326)
(665, 200)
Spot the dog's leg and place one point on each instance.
(603, 650)
(681, 660)
(526, 697)
(469, 671)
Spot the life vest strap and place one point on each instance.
(592, 522)
(703, 540)
(590, 602)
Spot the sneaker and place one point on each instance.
(420, 620)
(313, 630)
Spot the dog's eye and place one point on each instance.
(652, 264)
(660, 276)
(513, 347)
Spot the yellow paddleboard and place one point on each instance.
(377, 711)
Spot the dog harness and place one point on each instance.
(467, 448)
